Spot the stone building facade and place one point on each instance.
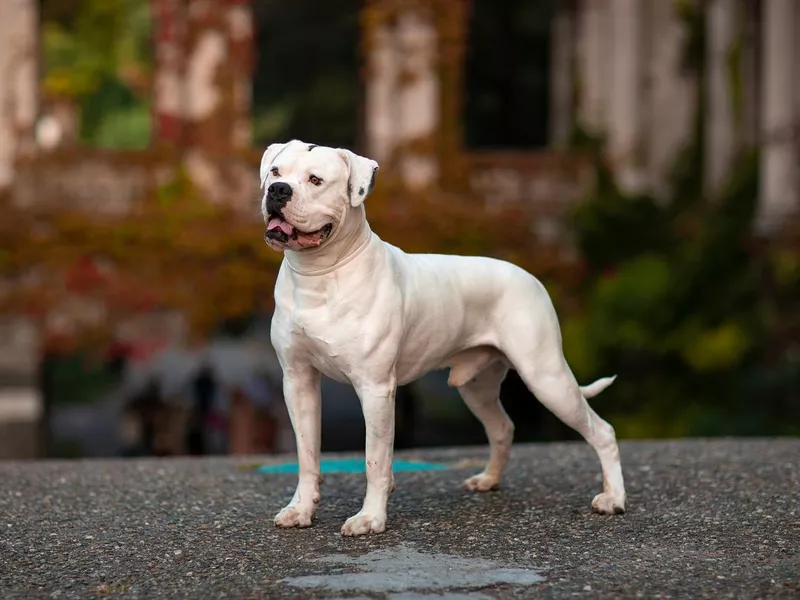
(626, 56)
(617, 69)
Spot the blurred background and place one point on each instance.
(641, 157)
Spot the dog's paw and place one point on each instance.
(608, 504)
(361, 524)
(482, 483)
(293, 516)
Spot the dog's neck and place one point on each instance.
(352, 237)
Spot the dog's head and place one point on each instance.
(308, 191)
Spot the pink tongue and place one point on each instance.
(280, 224)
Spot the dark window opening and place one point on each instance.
(507, 101)
(306, 84)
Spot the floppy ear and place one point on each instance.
(362, 176)
(269, 156)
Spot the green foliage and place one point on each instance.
(115, 117)
(697, 317)
(124, 128)
(98, 54)
(693, 16)
(677, 302)
(79, 379)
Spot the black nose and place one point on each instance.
(280, 192)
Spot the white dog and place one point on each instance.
(361, 311)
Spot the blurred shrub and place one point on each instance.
(178, 250)
(97, 58)
(698, 317)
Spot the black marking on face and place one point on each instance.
(312, 146)
(349, 189)
(372, 179)
(361, 191)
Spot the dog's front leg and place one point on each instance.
(377, 402)
(302, 392)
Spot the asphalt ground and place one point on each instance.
(714, 519)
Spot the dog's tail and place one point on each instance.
(591, 390)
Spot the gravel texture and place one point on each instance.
(712, 519)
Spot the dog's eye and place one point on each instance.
(275, 171)
(315, 180)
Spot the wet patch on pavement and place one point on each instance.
(402, 572)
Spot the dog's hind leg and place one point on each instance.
(553, 383)
(482, 396)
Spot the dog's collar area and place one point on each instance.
(336, 265)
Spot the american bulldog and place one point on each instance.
(361, 311)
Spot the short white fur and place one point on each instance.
(364, 312)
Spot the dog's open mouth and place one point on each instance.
(281, 231)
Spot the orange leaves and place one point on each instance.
(81, 274)
(204, 261)
(435, 221)
(84, 276)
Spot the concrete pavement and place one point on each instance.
(709, 519)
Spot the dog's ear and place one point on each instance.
(270, 154)
(362, 176)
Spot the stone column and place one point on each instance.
(452, 26)
(625, 110)
(562, 73)
(381, 103)
(721, 143)
(797, 71)
(594, 25)
(752, 43)
(414, 54)
(203, 72)
(208, 110)
(672, 99)
(239, 17)
(779, 195)
(216, 97)
(169, 45)
(19, 83)
(419, 98)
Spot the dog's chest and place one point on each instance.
(319, 333)
(326, 348)
(312, 328)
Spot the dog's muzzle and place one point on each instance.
(278, 194)
(282, 232)
(276, 235)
